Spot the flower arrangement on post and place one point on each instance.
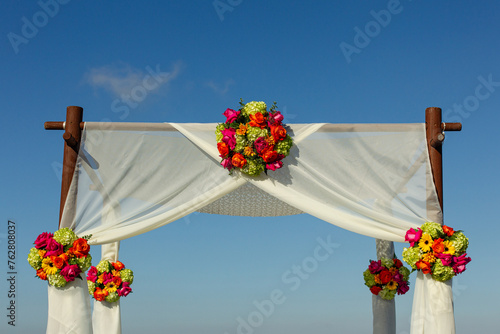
(253, 139)
(109, 281)
(437, 250)
(61, 257)
(386, 277)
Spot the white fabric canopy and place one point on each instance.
(372, 179)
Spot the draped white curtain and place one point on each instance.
(372, 179)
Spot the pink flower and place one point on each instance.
(226, 163)
(42, 240)
(229, 137)
(125, 290)
(107, 277)
(70, 272)
(403, 288)
(260, 145)
(398, 277)
(92, 274)
(413, 236)
(277, 117)
(446, 259)
(460, 262)
(231, 115)
(375, 266)
(53, 248)
(275, 165)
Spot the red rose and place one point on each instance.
(385, 276)
(269, 156)
(424, 266)
(278, 132)
(258, 120)
(375, 290)
(238, 160)
(448, 230)
(397, 263)
(223, 149)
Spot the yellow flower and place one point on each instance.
(242, 130)
(270, 141)
(425, 242)
(392, 285)
(110, 286)
(248, 151)
(449, 248)
(49, 267)
(429, 257)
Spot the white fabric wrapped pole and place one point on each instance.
(384, 311)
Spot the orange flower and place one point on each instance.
(58, 261)
(258, 120)
(242, 129)
(269, 156)
(248, 151)
(118, 265)
(424, 266)
(100, 294)
(117, 281)
(437, 246)
(278, 132)
(376, 278)
(42, 252)
(80, 247)
(393, 270)
(223, 149)
(42, 274)
(238, 160)
(448, 230)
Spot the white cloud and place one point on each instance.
(120, 79)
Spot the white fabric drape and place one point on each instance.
(157, 173)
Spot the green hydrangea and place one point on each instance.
(411, 256)
(91, 285)
(241, 143)
(405, 272)
(283, 146)
(435, 230)
(34, 259)
(254, 132)
(112, 297)
(442, 273)
(369, 278)
(387, 294)
(387, 262)
(104, 266)
(56, 280)
(218, 133)
(253, 167)
(127, 275)
(65, 236)
(254, 107)
(460, 242)
(84, 262)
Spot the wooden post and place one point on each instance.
(435, 136)
(72, 137)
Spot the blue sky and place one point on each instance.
(322, 61)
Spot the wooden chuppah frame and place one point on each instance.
(74, 124)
